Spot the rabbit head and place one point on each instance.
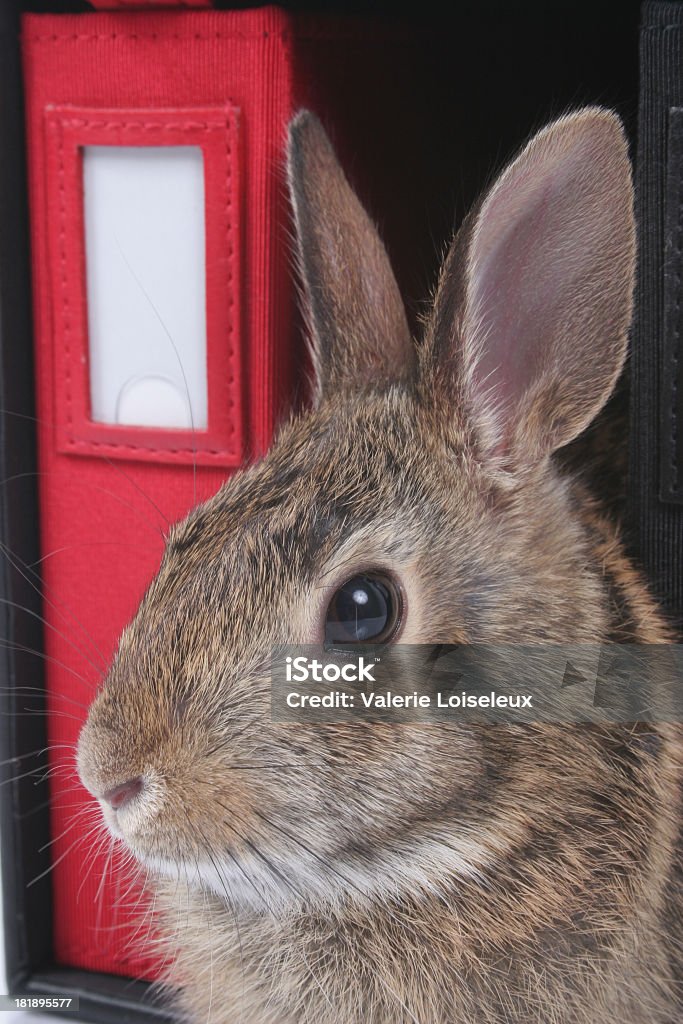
(424, 471)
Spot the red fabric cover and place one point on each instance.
(101, 533)
(119, 5)
(105, 499)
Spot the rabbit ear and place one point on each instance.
(530, 321)
(356, 317)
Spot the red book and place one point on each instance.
(217, 88)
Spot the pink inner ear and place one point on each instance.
(523, 276)
(539, 267)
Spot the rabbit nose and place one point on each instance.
(119, 796)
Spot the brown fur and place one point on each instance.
(365, 873)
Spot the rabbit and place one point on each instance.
(376, 873)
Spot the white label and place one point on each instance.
(146, 285)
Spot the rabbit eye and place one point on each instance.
(366, 609)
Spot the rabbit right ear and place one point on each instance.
(529, 328)
(355, 313)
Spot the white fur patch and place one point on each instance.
(427, 865)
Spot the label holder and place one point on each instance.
(214, 130)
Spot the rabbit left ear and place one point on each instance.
(355, 313)
(529, 328)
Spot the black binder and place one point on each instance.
(655, 492)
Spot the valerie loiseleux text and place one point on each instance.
(387, 699)
(303, 670)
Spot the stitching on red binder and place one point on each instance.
(66, 325)
(144, 125)
(85, 448)
(231, 256)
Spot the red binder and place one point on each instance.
(227, 84)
